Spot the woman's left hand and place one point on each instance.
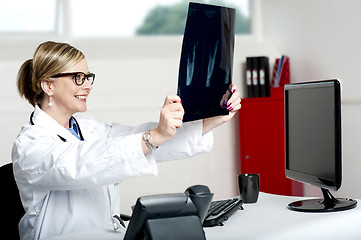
(233, 105)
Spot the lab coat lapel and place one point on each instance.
(42, 119)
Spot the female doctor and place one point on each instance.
(67, 165)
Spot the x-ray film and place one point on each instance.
(205, 71)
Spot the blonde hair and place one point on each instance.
(50, 58)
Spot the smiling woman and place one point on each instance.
(69, 165)
(68, 94)
(49, 59)
(54, 80)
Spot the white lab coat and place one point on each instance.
(72, 186)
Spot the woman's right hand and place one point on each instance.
(171, 118)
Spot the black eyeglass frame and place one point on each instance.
(75, 74)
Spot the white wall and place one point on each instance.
(323, 40)
(133, 76)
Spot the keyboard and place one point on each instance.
(221, 210)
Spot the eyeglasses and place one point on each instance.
(78, 77)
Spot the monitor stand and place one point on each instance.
(328, 204)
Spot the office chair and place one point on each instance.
(10, 200)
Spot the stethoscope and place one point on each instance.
(63, 139)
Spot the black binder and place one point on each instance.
(263, 76)
(249, 77)
(258, 77)
(255, 80)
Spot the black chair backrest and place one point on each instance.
(10, 202)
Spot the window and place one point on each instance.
(107, 18)
(113, 18)
(24, 16)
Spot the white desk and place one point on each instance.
(269, 218)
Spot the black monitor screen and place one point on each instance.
(313, 133)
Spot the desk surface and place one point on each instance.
(269, 218)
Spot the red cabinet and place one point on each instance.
(261, 123)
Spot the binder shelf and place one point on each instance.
(261, 124)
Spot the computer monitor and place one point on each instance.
(313, 142)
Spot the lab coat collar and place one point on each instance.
(42, 119)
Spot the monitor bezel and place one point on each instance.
(331, 184)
